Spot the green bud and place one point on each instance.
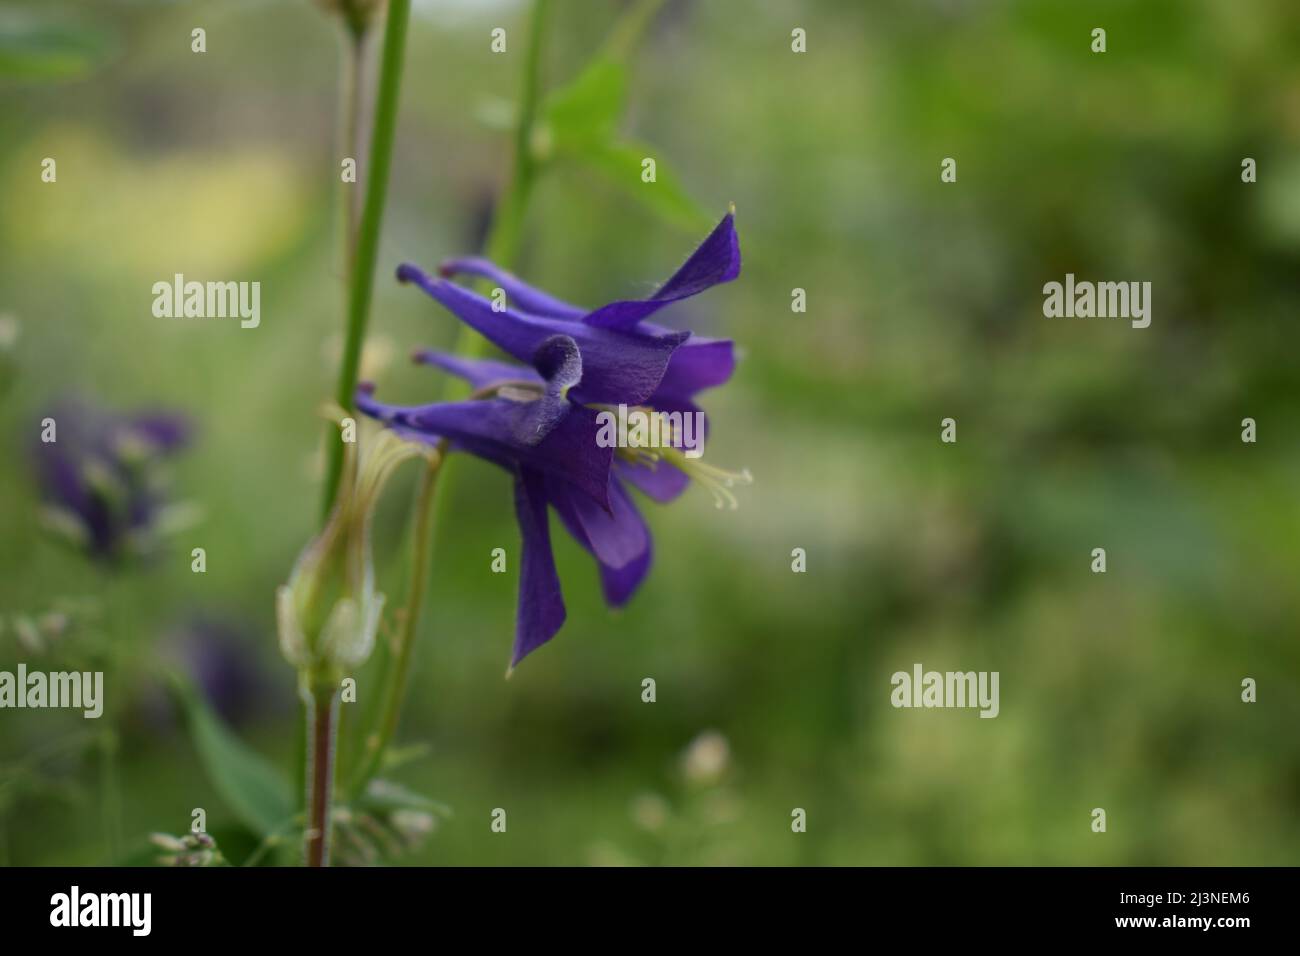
(328, 613)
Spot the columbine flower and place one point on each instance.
(328, 613)
(102, 478)
(539, 421)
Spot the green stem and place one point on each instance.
(356, 101)
(354, 112)
(110, 780)
(376, 746)
(270, 842)
(630, 28)
(110, 794)
(362, 280)
(362, 251)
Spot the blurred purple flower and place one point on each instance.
(101, 477)
(221, 657)
(538, 421)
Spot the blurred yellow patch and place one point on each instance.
(178, 210)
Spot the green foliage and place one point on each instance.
(585, 113)
(31, 49)
(580, 128)
(257, 793)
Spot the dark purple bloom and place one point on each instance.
(100, 475)
(220, 656)
(541, 420)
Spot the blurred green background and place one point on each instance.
(1119, 691)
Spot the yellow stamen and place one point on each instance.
(719, 481)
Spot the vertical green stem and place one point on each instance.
(110, 780)
(354, 114)
(356, 102)
(110, 794)
(316, 739)
(362, 280)
(395, 693)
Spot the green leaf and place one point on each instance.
(579, 124)
(620, 163)
(585, 112)
(401, 756)
(384, 795)
(32, 49)
(254, 789)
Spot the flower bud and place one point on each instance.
(328, 613)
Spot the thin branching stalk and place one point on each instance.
(376, 746)
(362, 280)
(354, 120)
(319, 727)
(357, 104)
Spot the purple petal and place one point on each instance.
(89, 435)
(480, 373)
(716, 260)
(540, 612)
(557, 365)
(619, 584)
(164, 431)
(698, 364)
(617, 366)
(520, 294)
(559, 362)
(618, 539)
(491, 429)
(615, 536)
(661, 482)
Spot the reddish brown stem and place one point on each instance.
(322, 705)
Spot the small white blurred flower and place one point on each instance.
(707, 758)
(9, 331)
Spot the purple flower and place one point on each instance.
(219, 655)
(542, 420)
(100, 475)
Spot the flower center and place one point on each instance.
(667, 442)
(719, 481)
